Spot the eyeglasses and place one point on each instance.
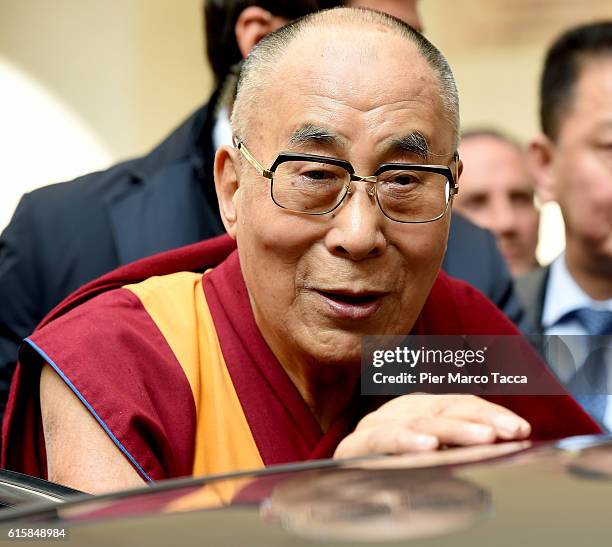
(317, 185)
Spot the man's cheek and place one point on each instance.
(426, 248)
(288, 236)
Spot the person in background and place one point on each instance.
(572, 158)
(497, 192)
(406, 10)
(64, 235)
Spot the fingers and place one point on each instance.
(422, 422)
(506, 424)
(388, 440)
(453, 431)
(418, 435)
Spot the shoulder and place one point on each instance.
(455, 307)
(466, 238)
(126, 323)
(171, 301)
(115, 351)
(531, 290)
(77, 220)
(54, 214)
(463, 228)
(117, 312)
(98, 327)
(87, 187)
(530, 286)
(95, 190)
(472, 255)
(60, 236)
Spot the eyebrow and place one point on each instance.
(308, 134)
(413, 143)
(313, 134)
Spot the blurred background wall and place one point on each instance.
(85, 83)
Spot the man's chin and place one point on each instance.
(341, 349)
(600, 251)
(602, 261)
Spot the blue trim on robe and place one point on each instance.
(91, 410)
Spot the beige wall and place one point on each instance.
(131, 69)
(122, 73)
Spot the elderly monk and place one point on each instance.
(337, 194)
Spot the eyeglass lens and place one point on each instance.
(316, 188)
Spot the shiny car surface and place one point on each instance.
(504, 495)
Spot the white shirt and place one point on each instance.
(564, 295)
(222, 130)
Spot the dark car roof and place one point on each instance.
(507, 494)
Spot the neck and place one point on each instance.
(327, 390)
(326, 387)
(594, 277)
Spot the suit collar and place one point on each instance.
(171, 201)
(561, 282)
(191, 140)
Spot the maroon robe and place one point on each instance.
(281, 423)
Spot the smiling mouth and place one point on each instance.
(349, 305)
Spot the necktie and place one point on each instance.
(590, 383)
(595, 322)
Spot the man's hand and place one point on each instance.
(422, 422)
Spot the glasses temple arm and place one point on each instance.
(258, 167)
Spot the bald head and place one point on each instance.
(332, 33)
(346, 91)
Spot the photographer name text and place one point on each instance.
(448, 378)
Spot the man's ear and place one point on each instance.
(457, 173)
(540, 158)
(252, 25)
(458, 170)
(227, 186)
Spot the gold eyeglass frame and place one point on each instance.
(372, 179)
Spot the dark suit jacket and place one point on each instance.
(64, 235)
(531, 289)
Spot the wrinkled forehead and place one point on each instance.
(361, 85)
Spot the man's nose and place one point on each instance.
(356, 226)
(503, 218)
